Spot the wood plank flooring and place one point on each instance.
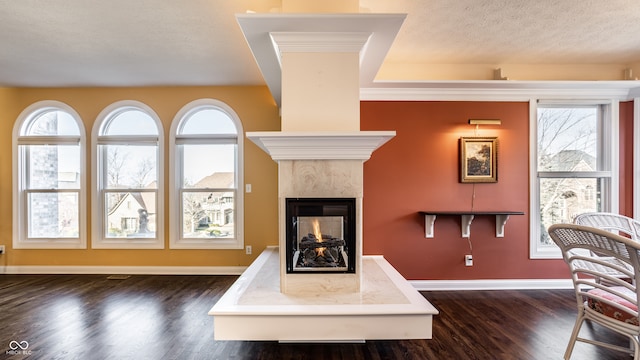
(165, 317)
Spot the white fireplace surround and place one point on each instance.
(324, 164)
(330, 145)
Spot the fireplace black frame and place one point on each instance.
(345, 207)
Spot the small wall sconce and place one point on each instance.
(485, 122)
(478, 122)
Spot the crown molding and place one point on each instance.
(319, 41)
(498, 90)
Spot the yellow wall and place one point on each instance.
(253, 104)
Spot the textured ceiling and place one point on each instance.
(515, 31)
(199, 42)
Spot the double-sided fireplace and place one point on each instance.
(320, 235)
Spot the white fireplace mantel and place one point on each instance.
(330, 145)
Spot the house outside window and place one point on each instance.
(206, 177)
(573, 164)
(49, 178)
(128, 209)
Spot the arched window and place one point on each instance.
(49, 194)
(128, 208)
(206, 177)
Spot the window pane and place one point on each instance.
(52, 123)
(131, 122)
(131, 214)
(130, 166)
(54, 167)
(53, 215)
(209, 166)
(567, 139)
(208, 121)
(208, 214)
(561, 199)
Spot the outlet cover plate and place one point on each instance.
(468, 260)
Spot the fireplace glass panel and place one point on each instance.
(320, 235)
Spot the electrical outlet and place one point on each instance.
(248, 250)
(1, 249)
(468, 260)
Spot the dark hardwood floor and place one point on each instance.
(165, 317)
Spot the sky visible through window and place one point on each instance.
(201, 161)
(68, 155)
(567, 129)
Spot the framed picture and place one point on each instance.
(478, 159)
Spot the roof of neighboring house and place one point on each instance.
(145, 200)
(218, 180)
(573, 160)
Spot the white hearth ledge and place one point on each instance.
(387, 307)
(319, 145)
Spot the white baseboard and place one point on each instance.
(129, 270)
(420, 285)
(496, 284)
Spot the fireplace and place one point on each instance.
(320, 235)
(320, 177)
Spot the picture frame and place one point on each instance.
(478, 159)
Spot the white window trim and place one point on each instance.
(636, 158)
(175, 213)
(98, 240)
(20, 239)
(612, 162)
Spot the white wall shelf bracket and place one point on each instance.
(465, 225)
(501, 220)
(466, 218)
(429, 220)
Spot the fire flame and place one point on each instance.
(316, 229)
(318, 234)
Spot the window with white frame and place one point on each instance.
(574, 166)
(127, 204)
(49, 178)
(206, 177)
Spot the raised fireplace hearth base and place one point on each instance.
(386, 308)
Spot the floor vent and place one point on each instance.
(118, 277)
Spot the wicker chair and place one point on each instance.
(616, 223)
(614, 306)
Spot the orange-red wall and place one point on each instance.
(418, 170)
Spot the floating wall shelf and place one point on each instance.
(466, 218)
